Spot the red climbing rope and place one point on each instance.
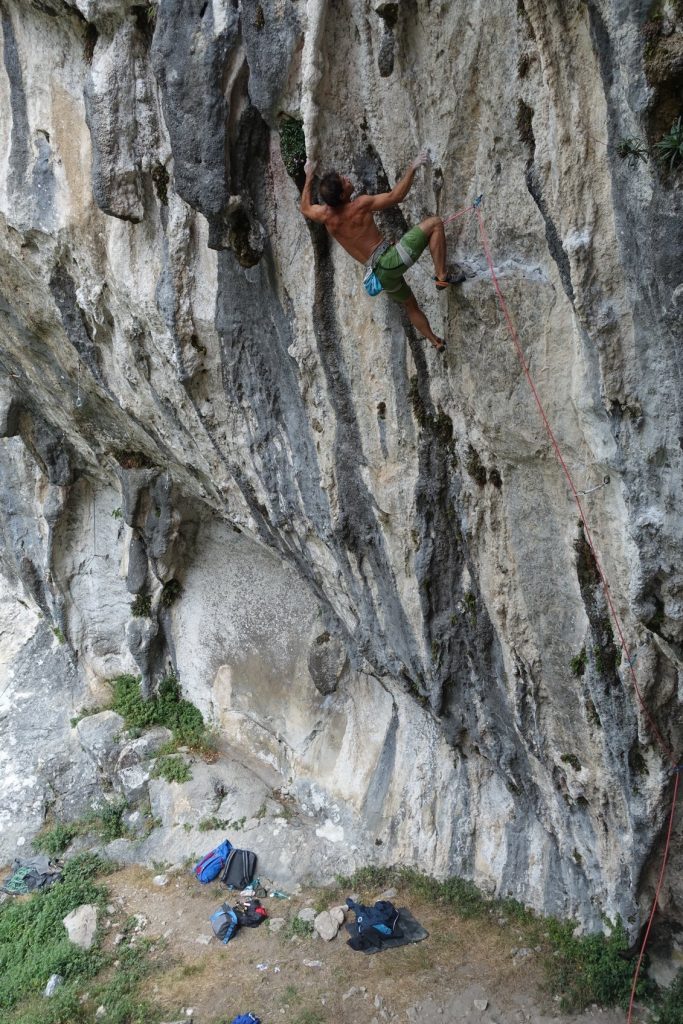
(603, 579)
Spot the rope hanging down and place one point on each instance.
(676, 767)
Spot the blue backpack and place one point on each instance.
(246, 1018)
(210, 866)
(224, 923)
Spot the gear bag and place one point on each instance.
(239, 869)
(224, 923)
(373, 924)
(210, 866)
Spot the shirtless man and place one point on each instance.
(351, 223)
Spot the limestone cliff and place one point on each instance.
(360, 558)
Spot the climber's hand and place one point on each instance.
(421, 158)
(309, 168)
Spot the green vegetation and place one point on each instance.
(34, 945)
(589, 969)
(117, 513)
(106, 823)
(215, 824)
(578, 663)
(33, 941)
(632, 149)
(292, 144)
(572, 760)
(55, 840)
(141, 606)
(170, 592)
(295, 926)
(173, 769)
(669, 149)
(59, 634)
(670, 1010)
(167, 708)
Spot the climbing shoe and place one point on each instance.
(455, 276)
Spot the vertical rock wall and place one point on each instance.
(379, 581)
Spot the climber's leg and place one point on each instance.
(421, 323)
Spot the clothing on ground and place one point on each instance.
(393, 264)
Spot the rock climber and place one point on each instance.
(351, 223)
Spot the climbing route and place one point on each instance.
(674, 761)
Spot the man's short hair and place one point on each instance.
(332, 189)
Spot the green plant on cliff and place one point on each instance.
(669, 149)
(670, 1010)
(167, 708)
(578, 663)
(56, 839)
(170, 592)
(141, 606)
(292, 144)
(172, 769)
(632, 149)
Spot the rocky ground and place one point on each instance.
(472, 972)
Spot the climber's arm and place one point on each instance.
(313, 211)
(398, 193)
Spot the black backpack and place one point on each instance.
(239, 869)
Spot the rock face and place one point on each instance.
(359, 557)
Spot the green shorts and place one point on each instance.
(391, 266)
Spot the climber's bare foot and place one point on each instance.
(439, 344)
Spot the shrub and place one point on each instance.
(170, 592)
(141, 606)
(670, 1010)
(55, 840)
(578, 663)
(167, 708)
(670, 147)
(292, 144)
(33, 941)
(632, 149)
(588, 969)
(173, 769)
(296, 926)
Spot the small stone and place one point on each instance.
(307, 914)
(326, 926)
(110, 908)
(189, 1012)
(54, 981)
(388, 894)
(481, 1004)
(379, 1002)
(338, 914)
(275, 924)
(312, 963)
(160, 880)
(353, 991)
(140, 922)
(100, 1012)
(118, 938)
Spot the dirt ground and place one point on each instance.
(466, 971)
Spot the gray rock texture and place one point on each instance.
(81, 925)
(382, 596)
